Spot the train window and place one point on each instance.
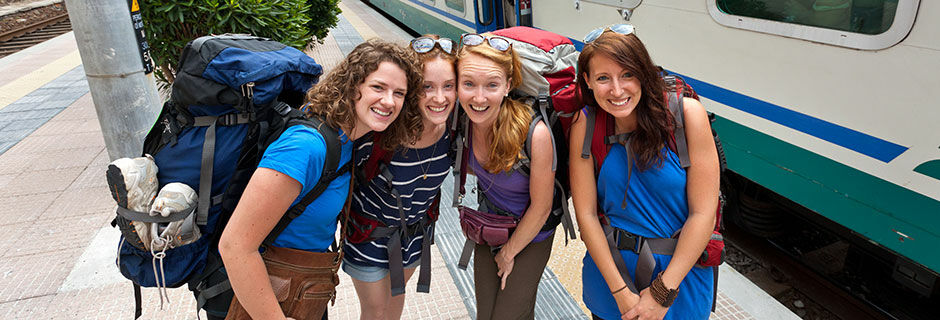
(862, 16)
(455, 4)
(859, 24)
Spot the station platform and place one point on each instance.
(57, 248)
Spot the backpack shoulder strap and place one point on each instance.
(460, 128)
(674, 101)
(599, 126)
(331, 171)
(377, 159)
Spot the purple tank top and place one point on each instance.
(507, 190)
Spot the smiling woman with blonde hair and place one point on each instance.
(506, 276)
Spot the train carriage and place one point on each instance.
(827, 103)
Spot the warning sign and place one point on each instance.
(137, 21)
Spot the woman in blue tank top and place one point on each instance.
(366, 92)
(640, 187)
(505, 278)
(417, 171)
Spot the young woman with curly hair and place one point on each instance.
(641, 187)
(506, 278)
(417, 171)
(376, 84)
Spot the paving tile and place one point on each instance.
(34, 275)
(88, 125)
(28, 114)
(23, 124)
(41, 144)
(82, 108)
(6, 178)
(7, 242)
(65, 159)
(26, 308)
(14, 135)
(58, 127)
(116, 301)
(40, 182)
(6, 145)
(80, 202)
(13, 163)
(24, 208)
(70, 234)
(92, 177)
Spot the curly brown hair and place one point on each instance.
(512, 124)
(654, 122)
(334, 98)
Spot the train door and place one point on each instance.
(489, 15)
(517, 13)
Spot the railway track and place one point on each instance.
(27, 36)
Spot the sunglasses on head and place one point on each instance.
(623, 29)
(426, 44)
(495, 42)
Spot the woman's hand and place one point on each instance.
(626, 300)
(647, 308)
(504, 263)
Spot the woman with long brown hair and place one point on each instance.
(641, 187)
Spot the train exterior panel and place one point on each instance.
(846, 127)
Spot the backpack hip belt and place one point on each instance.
(395, 233)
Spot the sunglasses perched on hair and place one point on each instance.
(623, 29)
(426, 44)
(475, 39)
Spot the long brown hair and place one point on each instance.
(334, 98)
(654, 122)
(511, 129)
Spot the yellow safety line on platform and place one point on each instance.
(22, 86)
(364, 30)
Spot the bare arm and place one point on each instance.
(702, 193)
(267, 197)
(541, 190)
(584, 197)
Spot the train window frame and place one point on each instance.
(903, 23)
(456, 12)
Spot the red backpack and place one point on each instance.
(599, 137)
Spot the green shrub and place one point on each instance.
(170, 24)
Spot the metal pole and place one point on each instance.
(125, 96)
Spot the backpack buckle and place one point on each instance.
(629, 241)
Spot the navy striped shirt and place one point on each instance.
(375, 201)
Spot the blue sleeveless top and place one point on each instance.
(657, 207)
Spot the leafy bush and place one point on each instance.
(170, 24)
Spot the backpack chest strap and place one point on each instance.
(619, 239)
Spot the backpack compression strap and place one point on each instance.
(208, 158)
(330, 172)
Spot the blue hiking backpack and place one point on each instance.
(233, 95)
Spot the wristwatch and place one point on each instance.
(661, 294)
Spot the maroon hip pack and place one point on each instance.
(486, 228)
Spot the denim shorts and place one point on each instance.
(369, 273)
